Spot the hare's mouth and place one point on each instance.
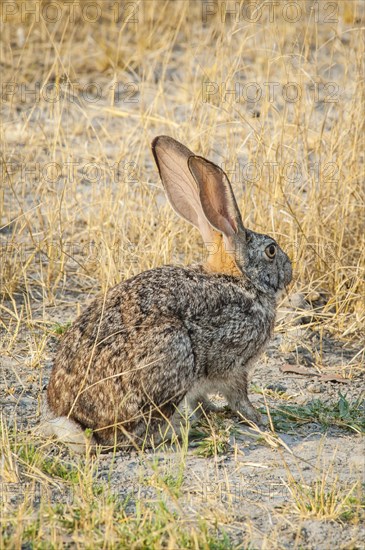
(280, 293)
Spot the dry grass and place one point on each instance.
(83, 227)
(81, 205)
(325, 497)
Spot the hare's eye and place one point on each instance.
(270, 251)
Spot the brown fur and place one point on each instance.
(219, 260)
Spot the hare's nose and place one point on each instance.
(288, 273)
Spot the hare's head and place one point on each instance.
(200, 192)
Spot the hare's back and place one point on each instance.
(119, 350)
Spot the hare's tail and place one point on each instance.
(66, 430)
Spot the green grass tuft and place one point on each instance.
(212, 436)
(61, 329)
(349, 415)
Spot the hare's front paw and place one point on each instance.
(248, 411)
(202, 407)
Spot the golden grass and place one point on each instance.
(75, 223)
(325, 497)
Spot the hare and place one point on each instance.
(132, 356)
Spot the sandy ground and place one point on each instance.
(249, 484)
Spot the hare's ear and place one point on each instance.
(216, 196)
(180, 186)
